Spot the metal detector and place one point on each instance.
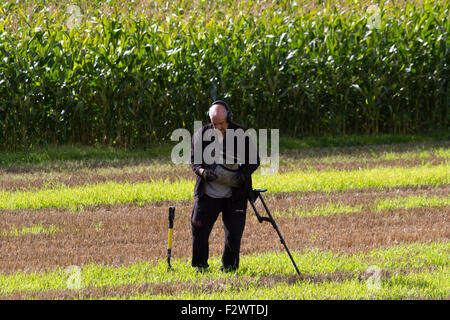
(252, 199)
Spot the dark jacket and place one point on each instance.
(246, 167)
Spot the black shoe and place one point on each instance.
(201, 270)
(228, 269)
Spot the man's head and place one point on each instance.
(218, 115)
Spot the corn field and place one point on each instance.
(128, 73)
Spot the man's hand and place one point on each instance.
(209, 175)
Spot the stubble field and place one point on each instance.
(369, 222)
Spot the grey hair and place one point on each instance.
(214, 109)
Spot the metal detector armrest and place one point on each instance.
(254, 196)
(260, 190)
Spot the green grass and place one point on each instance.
(332, 208)
(84, 153)
(83, 160)
(418, 154)
(435, 284)
(39, 155)
(112, 192)
(34, 229)
(322, 210)
(327, 180)
(412, 202)
(421, 285)
(104, 193)
(288, 143)
(308, 158)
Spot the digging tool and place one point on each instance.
(257, 194)
(169, 247)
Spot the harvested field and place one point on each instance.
(76, 173)
(127, 234)
(350, 222)
(12, 182)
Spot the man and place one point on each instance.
(222, 186)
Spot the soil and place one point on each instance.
(125, 234)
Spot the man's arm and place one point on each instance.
(196, 143)
(250, 148)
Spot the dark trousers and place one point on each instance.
(204, 215)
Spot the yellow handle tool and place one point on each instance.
(169, 247)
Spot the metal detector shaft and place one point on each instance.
(169, 246)
(272, 221)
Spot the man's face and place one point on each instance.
(219, 120)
